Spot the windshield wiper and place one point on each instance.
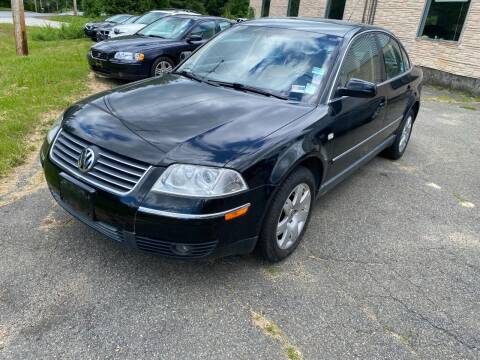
(189, 75)
(156, 36)
(242, 87)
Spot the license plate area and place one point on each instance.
(77, 196)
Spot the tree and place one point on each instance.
(215, 7)
(236, 9)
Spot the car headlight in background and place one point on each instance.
(54, 130)
(199, 181)
(129, 56)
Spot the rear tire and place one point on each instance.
(162, 65)
(288, 216)
(397, 149)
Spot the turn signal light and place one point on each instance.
(237, 213)
(140, 57)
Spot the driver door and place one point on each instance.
(356, 120)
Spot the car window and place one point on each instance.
(392, 56)
(205, 29)
(362, 61)
(405, 59)
(224, 25)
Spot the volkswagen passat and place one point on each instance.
(229, 152)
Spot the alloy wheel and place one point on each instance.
(163, 67)
(294, 215)
(407, 129)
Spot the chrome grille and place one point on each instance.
(112, 172)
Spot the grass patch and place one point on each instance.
(273, 270)
(293, 353)
(468, 107)
(272, 330)
(48, 80)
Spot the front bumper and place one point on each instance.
(133, 221)
(118, 70)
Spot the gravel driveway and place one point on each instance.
(31, 19)
(389, 269)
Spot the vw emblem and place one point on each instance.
(86, 160)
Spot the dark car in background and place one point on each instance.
(229, 152)
(90, 29)
(103, 32)
(156, 49)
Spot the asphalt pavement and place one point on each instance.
(389, 269)
(31, 19)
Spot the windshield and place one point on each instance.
(117, 18)
(130, 20)
(169, 27)
(289, 63)
(150, 17)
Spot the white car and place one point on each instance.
(144, 20)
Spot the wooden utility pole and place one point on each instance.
(19, 27)
(74, 7)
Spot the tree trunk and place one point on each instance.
(19, 27)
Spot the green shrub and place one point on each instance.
(72, 28)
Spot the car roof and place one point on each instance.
(322, 26)
(174, 11)
(201, 17)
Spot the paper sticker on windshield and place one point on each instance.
(310, 89)
(297, 89)
(318, 71)
(316, 79)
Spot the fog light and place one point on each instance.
(182, 249)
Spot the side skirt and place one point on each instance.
(330, 184)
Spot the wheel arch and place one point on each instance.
(296, 156)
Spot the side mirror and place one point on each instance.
(194, 38)
(358, 88)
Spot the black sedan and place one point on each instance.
(156, 49)
(90, 29)
(229, 152)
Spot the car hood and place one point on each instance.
(100, 24)
(131, 42)
(130, 28)
(106, 26)
(174, 119)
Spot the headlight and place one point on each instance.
(199, 181)
(54, 130)
(128, 56)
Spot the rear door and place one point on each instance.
(397, 85)
(356, 120)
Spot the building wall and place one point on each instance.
(403, 18)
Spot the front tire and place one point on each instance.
(397, 149)
(288, 216)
